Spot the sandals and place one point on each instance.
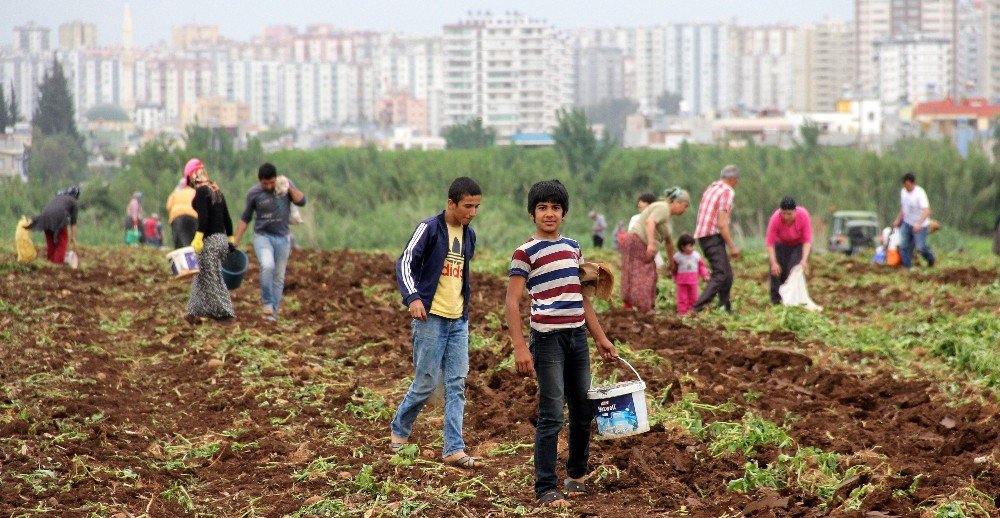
(574, 488)
(552, 498)
(465, 462)
(394, 447)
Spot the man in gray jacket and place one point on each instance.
(271, 244)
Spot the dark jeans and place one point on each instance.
(787, 256)
(598, 241)
(183, 229)
(721, 280)
(562, 366)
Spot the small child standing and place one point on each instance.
(548, 265)
(690, 266)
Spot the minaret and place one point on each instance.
(127, 28)
(126, 92)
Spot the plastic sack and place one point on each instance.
(294, 216)
(880, 255)
(892, 240)
(132, 236)
(72, 260)
(794, 293)
(25, 248)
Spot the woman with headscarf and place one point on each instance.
(640, 246)
(59, 214)
(181, 216)
(213, 240)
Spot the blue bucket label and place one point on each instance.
(616, 415)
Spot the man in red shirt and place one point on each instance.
(788, 241)
(712, 233)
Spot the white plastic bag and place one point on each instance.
(794, 293)
(72, 260)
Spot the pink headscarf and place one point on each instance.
(193, 165)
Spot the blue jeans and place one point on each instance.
(908, 239)
(440, 345)
(562, 366)
(272, 254)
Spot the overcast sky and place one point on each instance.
(240, 19)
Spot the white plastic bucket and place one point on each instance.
(183, 262)
(620, 409)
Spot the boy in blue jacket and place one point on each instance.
(433, 278)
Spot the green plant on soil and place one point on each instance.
(369, 405)
(178, 492)
(968, 502)
(511, 448)
(746, 435)
(317, 468)
(810, 469)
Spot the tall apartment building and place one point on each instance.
(194, 35)
(31, 39)
(913, 69)
(599, 74)
(77, 36)
(763, 59)
(969, 46)
(511, 70)
(692, 60)
(320, 93)
(258, 83)
(990, 68)
(824, 65)
(881, 20)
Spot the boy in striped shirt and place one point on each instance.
(548, 265)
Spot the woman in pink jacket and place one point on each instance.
(788, 241)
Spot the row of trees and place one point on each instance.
(363, 198)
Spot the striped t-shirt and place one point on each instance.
(552, 269)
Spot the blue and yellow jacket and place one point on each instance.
(418, 269)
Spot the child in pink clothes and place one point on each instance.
(690, 266)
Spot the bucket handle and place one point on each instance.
(630, 367)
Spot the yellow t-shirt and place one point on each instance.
(448, 301)
(179, 204)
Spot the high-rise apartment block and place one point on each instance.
(31, 39)
(883, 20)
(511, 70)
(990, 71)
(77, 36)
(690, 60)
(599, 74)
(823, 68)
(913, 69)
(762, 61)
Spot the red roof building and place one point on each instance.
(948, 111)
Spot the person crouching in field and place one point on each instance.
(59, 215)
(548, 265)
(433, 278)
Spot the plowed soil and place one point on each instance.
(100, 375)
